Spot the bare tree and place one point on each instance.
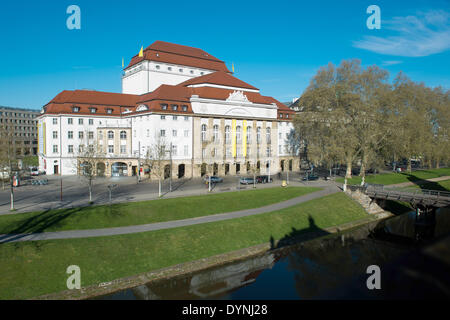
(8, 157)
(156, 160)
(88, 158)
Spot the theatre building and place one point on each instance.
(176, 96)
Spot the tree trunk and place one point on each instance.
(90, 192)
(159, 186)
(409, 165)
(348, 173)
(12, 197)
(437, 163)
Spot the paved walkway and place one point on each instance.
(406, 184)
(72, 234)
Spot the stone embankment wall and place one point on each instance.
(370, 205)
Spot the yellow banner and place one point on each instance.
(233, 137)
(244, 138)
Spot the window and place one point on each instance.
(93, 110)
(157, 67)
(228, 151)
(174, 107)
(192, 71)
(91, 135)
(174, 133)
(123, 135)
(69, 121)
(164, 106)
(110, 134)
(123, 149)
(268, 151)
(109, 110)
(227, 134)
(186, 150)
(204, 153)
(216, 133)
(287, 115)
(268, 135)
(55, 148)
(202, 73)
(174, 150)
(55, 134)
(91, 148)
(181, 70)
(238, 133)
(174, 118)
(110, 148)
(80, 121)
(186, 133)
(148, 133)
(184, 108)
(169, 68)
(214, 152)
(249, 135)
(279, 149)
(203, 132)
(100, 135)
(162, 133)
(91, 121)
(186, 118)
(70, 148)
(281, 115)
(258, 135)
(163, 117)
(70, 134)
(75, 109)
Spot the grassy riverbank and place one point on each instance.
(394, 178)
(135, 213)
(31, 269)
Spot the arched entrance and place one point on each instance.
(215, 169)
(238, 168)
(282, 165)
(290, 165)
(166, 171)
(203, 169)
(248, 166)
(181, 169)
(227, 168)
(119, 169)
(101, 169)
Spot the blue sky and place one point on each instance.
(276, 46)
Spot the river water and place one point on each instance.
(325, 268)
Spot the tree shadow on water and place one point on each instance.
(299, 235)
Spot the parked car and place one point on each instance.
(310, 178)
(263, 179)
(214, 179)
(246, 181)
(34, 171)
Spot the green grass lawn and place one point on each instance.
(134, 213)
(30, 269)
(394, 178)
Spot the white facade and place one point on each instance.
(147, 76)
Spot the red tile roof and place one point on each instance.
(161, 51)
(218, 78)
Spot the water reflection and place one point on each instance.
(334, 267)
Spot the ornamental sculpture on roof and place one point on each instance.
(237, 96)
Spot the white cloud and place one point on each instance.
(390, 62)
(416, 36)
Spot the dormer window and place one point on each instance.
(174, 107)
(169, 68)
(181, 70)
(93, 110)
(75, 109)
(157, 67)
(287, 115)
(281, 115)
(192, 71)
(184, 108)
(164, 106)
(109, 110)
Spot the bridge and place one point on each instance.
(419, 197)
(425, 202)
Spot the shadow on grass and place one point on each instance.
(296, 236)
